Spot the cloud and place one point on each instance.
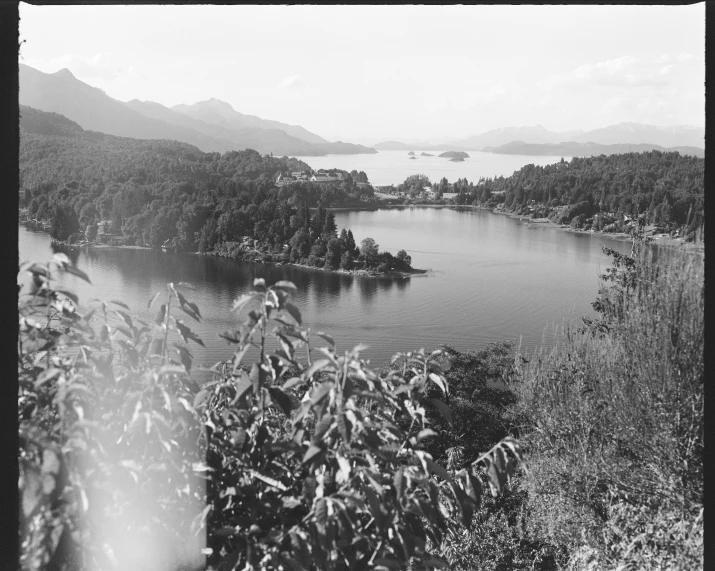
(622, 72)
(293, 82)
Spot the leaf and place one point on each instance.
(186, 285)
(327, 337)
(439, 381)
(189, 307)
(161, 314)
(292, 382)
(241, 301)
(284, 401)
(426, 433)
(153, 299)
(399, 481)
(187, 334)
(321, 513)
(320, 392)
(513, 445)
(322, 426)
(234, 336)
(311, 453)
(497, 471)
(47, 375)
(242, 386)
(318, 365)
(436, 468)
(120, 304)
(269, 481)
(286, 285)
(294, 312)
(344, 427)
(77, 272)
(359, 348)
(125, 316)
(443, 410)
(474, 489)
(190, 313)
(184, 355)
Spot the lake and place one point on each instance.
(491, 278)
(393, 167)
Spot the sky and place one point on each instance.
(367, 74)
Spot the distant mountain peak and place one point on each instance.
(218, 104)
(64, 72)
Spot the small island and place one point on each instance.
(461, 155)
(426, 155)
(411, 153)
(457, 160)
(413, 158)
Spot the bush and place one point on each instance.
(126, 462)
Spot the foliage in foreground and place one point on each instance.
(126, 463)
(614, 418)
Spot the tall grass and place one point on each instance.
(614, 428)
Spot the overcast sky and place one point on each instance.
(372, 73)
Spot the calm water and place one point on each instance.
(393, 167)
(491, 278)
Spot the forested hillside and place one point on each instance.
(667, 187)
(170, 194)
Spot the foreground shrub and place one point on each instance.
(126, 463)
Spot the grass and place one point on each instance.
(613, 425)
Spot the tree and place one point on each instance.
(334, 251)
(91, 231)
(369, 249)
(404, 258)
(64, 222)
(346, 261)
(329, 227)
(300, 245)
(351, 246)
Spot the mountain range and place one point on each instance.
(211, 125)
(620, 134)
(574, 149)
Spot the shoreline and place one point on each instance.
(359, 272)
(667, 241)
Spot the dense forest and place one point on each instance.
(668, 188)
(168, 194)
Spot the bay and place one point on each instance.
(490, 278)
(393, 167)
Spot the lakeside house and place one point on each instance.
(324, 177)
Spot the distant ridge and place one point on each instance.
(574, 149)
(621, 133)
(92, 109)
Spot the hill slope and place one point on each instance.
(94, 110)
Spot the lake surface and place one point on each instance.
(490, 278)
(393, 167)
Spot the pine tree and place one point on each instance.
(329, 227)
